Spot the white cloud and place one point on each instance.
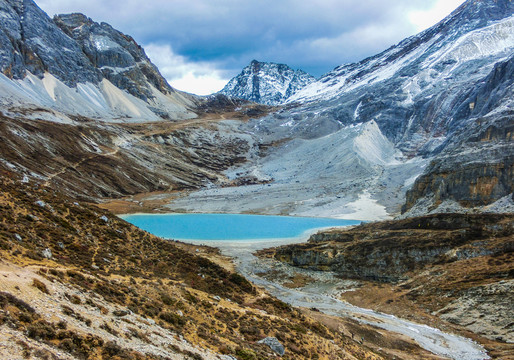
(200, 78)
(423, 19)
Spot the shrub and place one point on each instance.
(172, 318)
(41, 330)
(40, 285)
(245, 354)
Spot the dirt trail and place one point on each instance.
(74, 166)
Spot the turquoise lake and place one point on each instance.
(230, 226)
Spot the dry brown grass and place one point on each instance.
(133, 271)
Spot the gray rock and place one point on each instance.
(30, 41)
(47, 253)
(74, 49)
(119, 58)
(274, 345)
(479, 309)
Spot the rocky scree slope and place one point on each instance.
(434, 97)
(447, 268)
(75, 66)
(78, 282)
(73, 96)
(267, 83)
(96, 160)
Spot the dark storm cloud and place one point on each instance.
(313, 35)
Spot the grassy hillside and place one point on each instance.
(79, 282)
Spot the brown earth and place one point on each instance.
(451, 271)
(95, 160)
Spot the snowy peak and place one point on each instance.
(267, 83)
(477, 30)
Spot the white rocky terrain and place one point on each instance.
(436, 108)
(50, 99)
(304, 177)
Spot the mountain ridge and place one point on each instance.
(470, 16)
(427, 97)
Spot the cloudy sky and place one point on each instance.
(199, 45)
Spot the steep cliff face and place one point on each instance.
(117, 56)
(31, 42)
(390, 251)
(476, 167)
(267, 83)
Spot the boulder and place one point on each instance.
(273, 344)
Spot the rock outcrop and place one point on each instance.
(389, 251)
(476, 167)
(273, 344)
(31, 42)
(457, 267)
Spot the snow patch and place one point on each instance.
(373, 146)
(50, 83)
(365, 208)
(103, 43)
(492, 40)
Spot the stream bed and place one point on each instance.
(321, 295)
(325, 300)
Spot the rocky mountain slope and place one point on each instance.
(74, 97)
(422, 127)
(71, 66)
(431, 95)
(438, 104)
(448, 269)
(79, 283)
(267, 83)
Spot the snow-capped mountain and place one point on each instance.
(478, 31)
(433, 95)
(267, 83)
(75, 66)
(426, 124)
(443, 99)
